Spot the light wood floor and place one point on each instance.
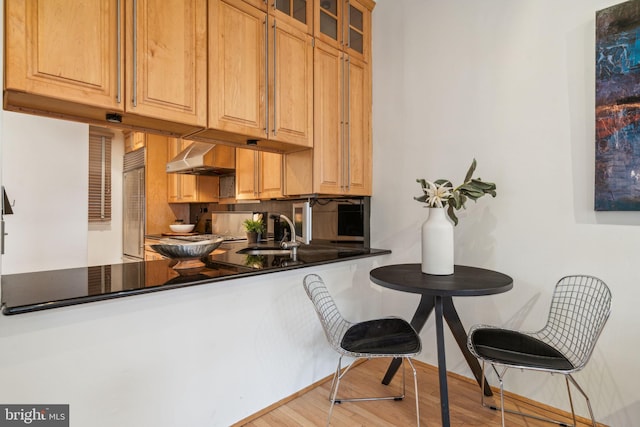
(311, 408)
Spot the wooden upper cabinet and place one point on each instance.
(140, 64)
(258, 4)
(357, 28)
(298, 13)
(167, 60)
(270, 175)
(246, 174)
(158, 213)
(260, 77)
(66, 50)
(291, 85)
(345, 24)
(358, 162)
(134, 141)
(328, 22)
(258, 174)
(329, 152)
(237, 71)
(342, 151)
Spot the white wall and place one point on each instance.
(511, 84)
(45, 171)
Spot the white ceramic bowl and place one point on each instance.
(181, 228)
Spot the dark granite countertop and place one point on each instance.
(27, 292)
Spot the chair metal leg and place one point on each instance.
(568, 377)
(361, 399)
(573, 412)
(336, 374)
(340, 373)
(415, 384)
(334, 390)
(500, 377)
(482, 393)
(575, 383)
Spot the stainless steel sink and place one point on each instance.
(324, 250)
(304, 250)
(265, 250)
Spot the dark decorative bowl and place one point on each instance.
(187, 254)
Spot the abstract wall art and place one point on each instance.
(617, 160)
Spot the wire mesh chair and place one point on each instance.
(387, 337)
(580, 307)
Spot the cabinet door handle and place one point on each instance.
(348, 123)
(343, 63)
(266, 74)
(140, 210)
(134, 100)
(118, 53)
(256, 174)
(275, 79)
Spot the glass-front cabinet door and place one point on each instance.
(357, 28)
(297, 9)
(328, 22)
(299, 12)
(344, 24)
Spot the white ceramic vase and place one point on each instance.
(437, 243)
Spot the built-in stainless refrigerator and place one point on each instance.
(133, 217)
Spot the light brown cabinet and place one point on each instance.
(357, 129)
(166, 60)
(297, 11)
(260, 77)
(341, 157)
(142, 60)
(184, 188)
(158, 212)
(346, 25)
(134, 141)
(67, 51)
(258, 175)
(147, 60)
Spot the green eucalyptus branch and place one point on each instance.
(441, 193)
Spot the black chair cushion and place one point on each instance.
(381, 336)
(515, 348)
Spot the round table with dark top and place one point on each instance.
(438, 292)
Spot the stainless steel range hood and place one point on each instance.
(196, 159)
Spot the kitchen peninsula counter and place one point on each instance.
(35, 291)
